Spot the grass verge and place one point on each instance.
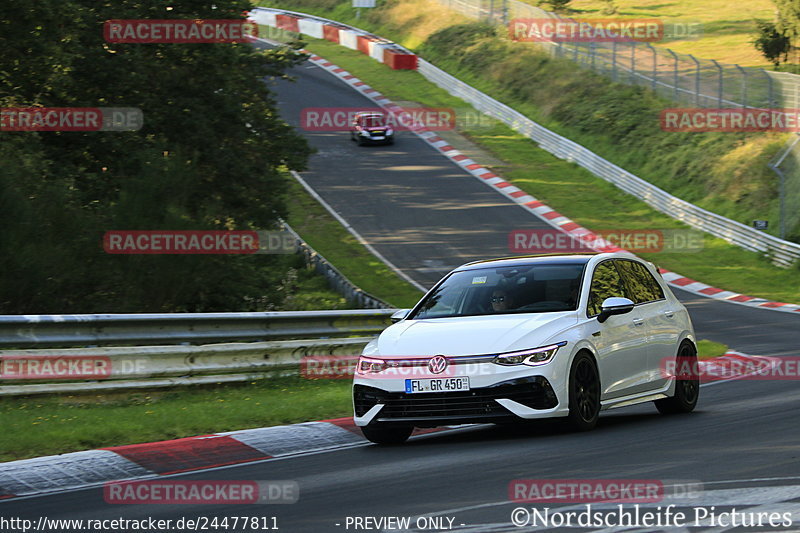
(710, 349)
(727, 34)
(324, 233)
(46, 425)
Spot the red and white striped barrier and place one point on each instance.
(312, 28)
(387, 52)
(348, 38)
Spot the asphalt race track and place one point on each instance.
(425, 215)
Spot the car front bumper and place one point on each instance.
(505, 394)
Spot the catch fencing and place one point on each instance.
(684, 78)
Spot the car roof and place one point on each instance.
(370, 114)
(550, 259)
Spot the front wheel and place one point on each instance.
(584, 393)
(687, 384)
(387, 435)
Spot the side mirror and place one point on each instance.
(614, 306)
(399, 315)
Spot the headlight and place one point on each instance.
(533, 357)
(364, 133)
(370, 365)
(390, 131)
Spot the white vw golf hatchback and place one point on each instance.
(526, 338)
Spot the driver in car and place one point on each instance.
(502, 300)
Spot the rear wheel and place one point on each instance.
(584, 393)
(387, 435)
(687, 384)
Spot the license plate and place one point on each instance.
(414, 386)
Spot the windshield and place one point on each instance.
(538, 288)
(371, 121)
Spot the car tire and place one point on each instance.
(584, 393)
(687, 391)
(387, 435)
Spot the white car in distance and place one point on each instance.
(529, 338)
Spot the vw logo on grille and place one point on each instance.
(437, 364)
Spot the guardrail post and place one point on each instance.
(655, 66)
(744, 85)
(696, 80)
(719, 89)
(614, 60)
(782, 184)
(770, 101)
(675, 74)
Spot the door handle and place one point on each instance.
(669, 314)
(638, 322)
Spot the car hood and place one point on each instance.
(472, 335)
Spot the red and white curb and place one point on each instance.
(93, 468)
(534, 206)
(150, 460)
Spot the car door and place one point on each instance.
(658, 313)
(620, 341)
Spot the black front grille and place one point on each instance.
(534, 392)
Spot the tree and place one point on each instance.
(610, 9)
(773, 43)
(211, 155)
(788, 18)
(556, 5)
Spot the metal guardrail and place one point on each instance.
(168, 366)
(165, 350)
(783, 252)
(23, 331)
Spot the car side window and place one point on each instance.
(606, 283)
(641, 285)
